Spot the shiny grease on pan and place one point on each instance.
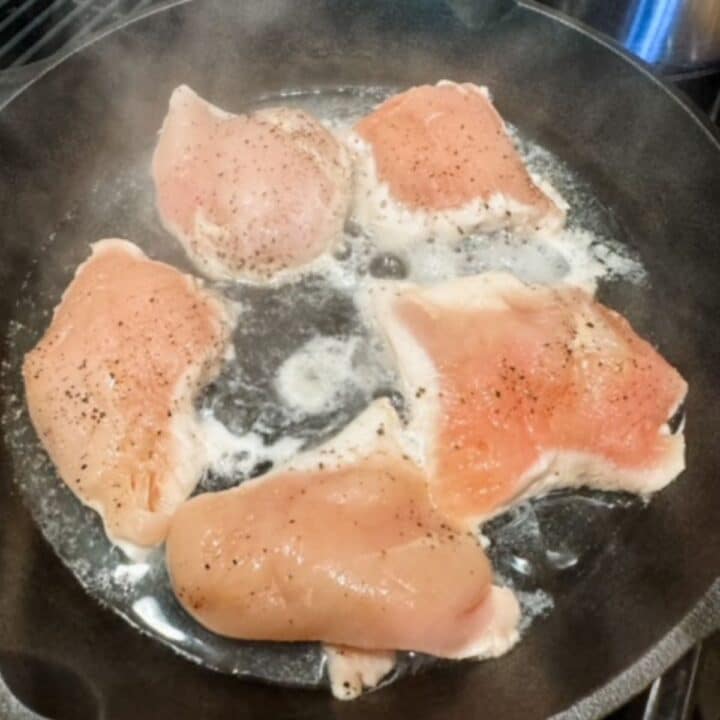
(256, 411)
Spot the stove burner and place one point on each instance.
(31, 30)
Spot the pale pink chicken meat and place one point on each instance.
(110, 387)
(249, 196)
(516, 389)
(437, 161)
(342, 546)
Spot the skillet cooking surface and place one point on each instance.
(66, 140)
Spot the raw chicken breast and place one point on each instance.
(342, 546)
(516, 389)
(110, 387)
(252, 195)
(437, 161)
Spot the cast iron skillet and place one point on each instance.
(648, 157)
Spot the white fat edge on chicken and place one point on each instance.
(183, 93)
(188, 428)
(502, 633)
(352, 671)
(418, 377)
(555, 468)
(134, 552)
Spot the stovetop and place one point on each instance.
(31, 30)
(34, 32)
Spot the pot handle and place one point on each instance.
(670, 696)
